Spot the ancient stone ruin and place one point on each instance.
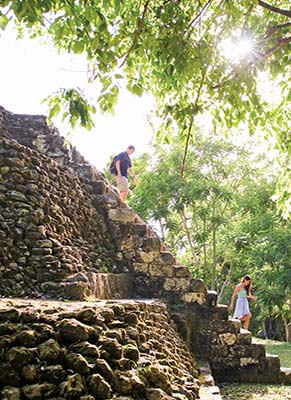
(93, 305)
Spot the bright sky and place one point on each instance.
(30, 71)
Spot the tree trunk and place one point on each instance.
(184, 221)
(213, 279)
(287, 329)
(227, 279)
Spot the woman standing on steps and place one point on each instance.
(243, 293)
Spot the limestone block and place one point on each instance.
(16, 196)
(197, 285)
(285, 376)
(227, 338)
(181, 271)
(177, 284)
(38, 391)
(158, 270)
(127, 244)
(102, 367)
(20, 356)
(49, 351)
(123, 215)
(193, 297)
(151, 244)
(9, 392)
(146, 257)
(244, 361)
(142, 268)
(99, 187)
(77, 363)
(99, 388)
(73, 331)
(211, 298)
(166, 258)
(4, 170)
(44, 243)
(73, 387)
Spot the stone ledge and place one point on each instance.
(122, 215)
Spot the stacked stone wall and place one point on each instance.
(62, 223)
(93, 351)
(65, 234)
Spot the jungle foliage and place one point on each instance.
(220, 219)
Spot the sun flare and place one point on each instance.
(237, 49)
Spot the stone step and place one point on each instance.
(236, 323)
(208, 390)
(221, 312)
(285, 376)
(209, 393)
(272, 363)
(140, 229)
(244, 337)
(211, 298)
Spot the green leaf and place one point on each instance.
(4, 20)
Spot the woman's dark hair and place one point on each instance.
(247, 287)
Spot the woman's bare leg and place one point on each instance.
(246, 318)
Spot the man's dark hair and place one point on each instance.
(131, 147)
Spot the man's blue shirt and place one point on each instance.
(125, 163)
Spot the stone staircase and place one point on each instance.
(217, 338)
(55, 244)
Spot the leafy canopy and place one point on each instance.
(170, 48)
(173, 49)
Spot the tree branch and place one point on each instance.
(274, 28)
(276, 10)
(202, 11)
(186, 147)
(137, 33)
(280, 43)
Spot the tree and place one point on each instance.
(191, 212)
(172, 48)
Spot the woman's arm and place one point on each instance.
(250, 296)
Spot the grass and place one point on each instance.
(282, 349)
(262, 392)
(255, 392)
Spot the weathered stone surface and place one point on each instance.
(104, 369)
(122, 215)
(227, 338)
(197, 285)
(98, 387)
(157, 394)
(10, 393)
(77, 363)
(73, 387)
(146, 257)
(73, 331)
(166, 258)
(19, 356)
(49, 351)
(38, 391)
(177, 284)
(129, 335)
(181, 271)
(55, 241)
(158, 270)
(131, 351)
(86, 349)
(194, 297)
(140, 268)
